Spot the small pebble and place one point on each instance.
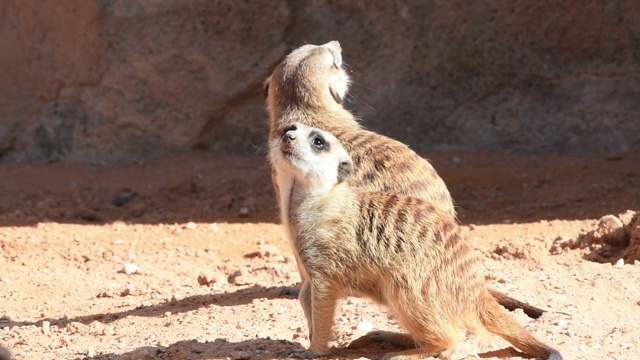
(623, 329)
(108, 330)
(244, 211)
(191, 225)
(204, 279)
(240, 355)
(364, 326)
(130, 268)
(46, 327)
(241, 280)
(619, 264)
(611, 231)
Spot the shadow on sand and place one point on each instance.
(190, 303)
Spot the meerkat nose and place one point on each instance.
(289, 136)
(334, 44)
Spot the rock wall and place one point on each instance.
(130, 80)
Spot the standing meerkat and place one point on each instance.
(398, 250)
(309, 87)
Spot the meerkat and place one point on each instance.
(309, 87)
(400, 251)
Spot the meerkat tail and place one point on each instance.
(505, 300)
(512, 304)
(498, 321)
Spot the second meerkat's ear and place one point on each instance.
(265, 86)
(345, 170)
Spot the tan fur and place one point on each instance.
(398, 250)
(308, 88)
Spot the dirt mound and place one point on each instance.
(614, 239)
(528, 253)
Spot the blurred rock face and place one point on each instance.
(137, 80)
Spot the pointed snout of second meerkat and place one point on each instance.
(288, 141)
(290, 134)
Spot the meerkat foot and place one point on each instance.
(397, 340)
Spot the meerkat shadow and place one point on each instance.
(508, 352)
(382, 341)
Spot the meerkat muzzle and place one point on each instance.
(288, 142)
(289, 136)
(336, 52)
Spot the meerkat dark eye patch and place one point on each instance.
(318, 143)
(345, 170)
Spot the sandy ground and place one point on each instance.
(184, 259)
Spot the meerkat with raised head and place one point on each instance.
(308, 87)
(400, 251)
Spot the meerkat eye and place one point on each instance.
(318, 142)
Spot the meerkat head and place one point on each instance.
(315, 157)
(311, 76)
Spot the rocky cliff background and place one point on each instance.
(137, 80)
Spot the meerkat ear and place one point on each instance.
(345, 170)
(265, 86)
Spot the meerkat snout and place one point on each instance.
(345, 170)
(290, 134)
(336, 52)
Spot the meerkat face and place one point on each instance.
(315, 156)
(310, 73)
